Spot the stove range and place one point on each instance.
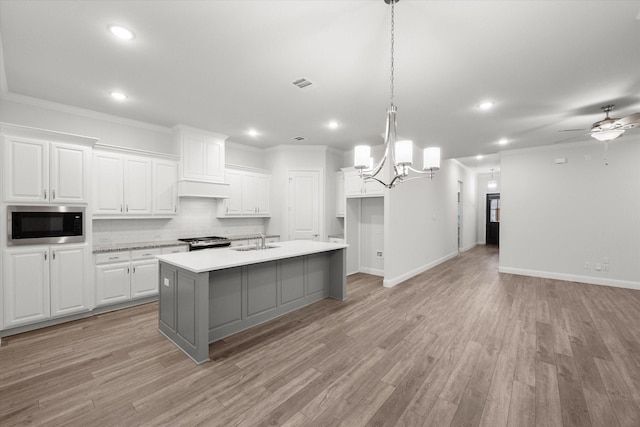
(197, 243)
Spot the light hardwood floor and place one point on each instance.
(457, 345)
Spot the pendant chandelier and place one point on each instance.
(400, 153)
(492, 184)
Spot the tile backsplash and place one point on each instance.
(197, 218)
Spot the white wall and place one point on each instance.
(481, 225)
(110, 130)
(556, 217)
(420, 217)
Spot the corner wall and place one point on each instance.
(557, 217)
(421, 226)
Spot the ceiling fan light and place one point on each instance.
(607, 135)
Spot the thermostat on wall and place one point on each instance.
(560, 160)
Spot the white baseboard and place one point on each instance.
(390, 283)
(465, 249)
(372, 271)
(572, 278)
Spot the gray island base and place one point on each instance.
(211, 294)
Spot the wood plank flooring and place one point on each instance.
(459, 345)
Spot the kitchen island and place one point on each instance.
(210, 294)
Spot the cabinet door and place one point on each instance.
(69, 290)
(202, 157)
(263, 198)
(112, 283)
(165, 193)
(137, 186)
(26, 286)
(144, 278)
(340, 199)
(249, 194)
(107, 183)
(68, 173)
(233, 205)
(352, 184)
(26, 170)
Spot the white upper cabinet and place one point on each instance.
(355, 186)
(108, 181)
(165, 181)
(202, 154)
(134, 186)
(250, 193)
(137, 185)
(38, 171)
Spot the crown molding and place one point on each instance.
(37, 102)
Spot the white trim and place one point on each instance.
(4, 88)
(181, 127)
(390, 283)
(51, 135)
(466, 248)
(243, 147)
(247, 168)
(372, 271)
(571, 278)
(36, 102)
(135, 151)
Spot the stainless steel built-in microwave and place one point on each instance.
(34, 225)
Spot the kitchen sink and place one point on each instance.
(252, 248)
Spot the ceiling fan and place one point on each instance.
(608, 129)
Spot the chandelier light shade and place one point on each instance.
(492, 184)
(431, 159)
(399, 153)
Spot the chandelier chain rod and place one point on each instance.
(392, 46)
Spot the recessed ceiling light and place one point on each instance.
(118, 96)
(503, 141)
(479, 157)
(486, 105)
(252, 132)
(333, 124)
(121, 32)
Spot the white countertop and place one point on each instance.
(220, 258)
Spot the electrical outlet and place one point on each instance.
(605, 260)
(379, 254)
(165, 282)
(587, 265)
(598, 267)
(605, 267)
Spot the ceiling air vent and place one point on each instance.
(302, 83)
(299, 138)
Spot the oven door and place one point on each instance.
(35, 225)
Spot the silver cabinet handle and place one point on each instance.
(114, 257)
(134, 270)
(147, 254)
(53, 255)
(53, 194)
(120, 208)
(227, 209)
(128, 270)
(127, 210)
(45, 194)
(45, 256)
(175, 208)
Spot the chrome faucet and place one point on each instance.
(263, 241)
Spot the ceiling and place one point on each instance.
(228, 66)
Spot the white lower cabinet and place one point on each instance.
(44, 282)
(125, 275)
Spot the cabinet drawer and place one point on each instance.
(145, 253)
(175, 249)
(112, 257)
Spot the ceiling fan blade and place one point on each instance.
(573, 130)
(571, 138)
(628, 122)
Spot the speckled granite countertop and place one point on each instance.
(104, 248)
(97, 249)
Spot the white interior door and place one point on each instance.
(304, 205)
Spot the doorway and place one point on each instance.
(304, 205)
(493, 219)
